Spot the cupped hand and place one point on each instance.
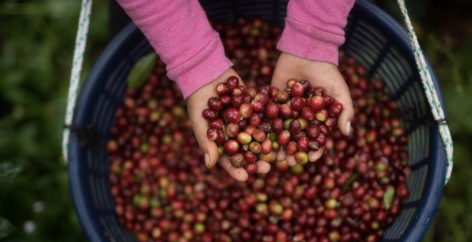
(318, 74)
(196, 103)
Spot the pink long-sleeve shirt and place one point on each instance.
(180, 33)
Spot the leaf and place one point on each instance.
(388, 197)
(5, 228)
(350, 180)
(141, 70)
(7, 173)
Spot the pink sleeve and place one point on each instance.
(314, 29)
(180, 33)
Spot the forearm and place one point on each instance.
(314, 29)
(180, 33)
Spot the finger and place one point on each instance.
(343, 96)
(209, 148)
(315, 155)
(262, 167)
(291, 160)
(237, 173)
(281, 155)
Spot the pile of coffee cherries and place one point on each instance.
(163, 192)
(252, 124)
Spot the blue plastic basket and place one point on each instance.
(374, 38)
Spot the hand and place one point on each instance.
(318, 74)
(196, 103)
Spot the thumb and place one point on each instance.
(210, 150)
(200, 127)
(344, 97)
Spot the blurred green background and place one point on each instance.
(36, 47)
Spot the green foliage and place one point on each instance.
(36, 47)
(5, 228)
(454, 216)
(7, 173)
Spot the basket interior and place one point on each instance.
(367, 43)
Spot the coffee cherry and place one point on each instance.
(259, 135)
(223, 88)
(246, 110)
(237, 160)
(257, 106)
(216, 123)
(297, 103)
(233, 82)
(254, 120)
(318, 91)
(291, 82)
(215, 104)
(221, 137)
(317, 103)
(301, 157)
(272, 110)
(232, 115)
(322, 115)
(291, 148)
(208, 114)
(307, 114)
(225, 100)
(232, 130)
(297, 90)
(255, 147)
(328, 100)
(285, 111)
(321, 140)
(402, 191)
(237, 101)
(249, 157)
(266, 146)
(212, 134)
(295, 126)
(335, 109)
(303, 144)
(283, 137)
(277, 125)
(282, 96)
(251, 168)
(231, 146)
(263, 98)
(243, 138)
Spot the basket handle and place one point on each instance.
(79, 50)
(429, 90)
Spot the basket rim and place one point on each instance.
(78, 182)
(115, 52)
(432, 193)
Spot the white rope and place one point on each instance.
(429, 89)
(80, 42)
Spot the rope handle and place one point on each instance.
(428, 84)
(429, 90)
(80, 42)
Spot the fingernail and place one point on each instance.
(207, 160)
(348, 127)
